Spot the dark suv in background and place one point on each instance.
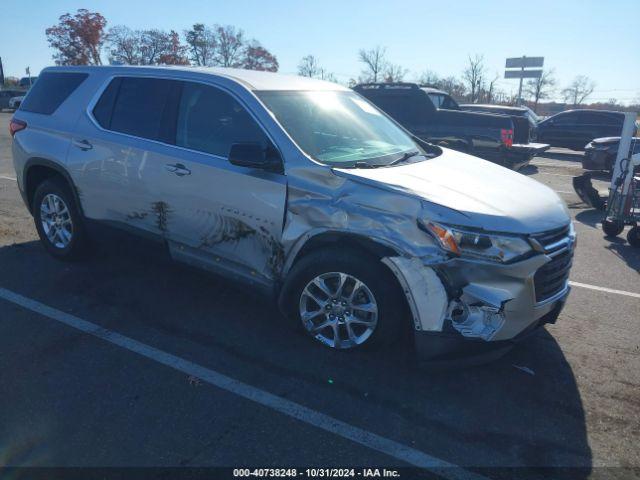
(576, 128)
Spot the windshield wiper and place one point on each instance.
(406, 156)
(361, 164)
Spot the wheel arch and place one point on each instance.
(37, 170)
(327, 238)
(312, 242)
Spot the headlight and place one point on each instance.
(497, 248)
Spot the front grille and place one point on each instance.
(549, 238)
(552, 277)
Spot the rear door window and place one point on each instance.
(51, 89)
(592, 118)
(565, 118)
(210, 120)
(140, 106)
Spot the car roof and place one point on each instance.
(494, 107)
(433, 90)
(590, 110)
(250, 79)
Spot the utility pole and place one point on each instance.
(524, 59)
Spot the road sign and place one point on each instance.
(521, 63)
(522, 73)
(524, 62)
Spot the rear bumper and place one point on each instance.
(530, 149)
(595, 160)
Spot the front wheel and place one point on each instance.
(345, 300)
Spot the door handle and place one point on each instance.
(83, 145)
(178, 168)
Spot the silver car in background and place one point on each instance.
(14, 102)
(301, 188)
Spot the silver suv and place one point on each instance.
(302, 188)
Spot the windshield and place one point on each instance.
(339, 128)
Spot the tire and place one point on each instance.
(633, 237)
(612, 228)
(58, 221)
(373, 328)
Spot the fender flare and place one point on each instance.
(59, 169)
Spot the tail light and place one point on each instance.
(506, 135)
(16, 125)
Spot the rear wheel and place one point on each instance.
(633, 237)
(612, 228)
(57, 219)
(345, 300)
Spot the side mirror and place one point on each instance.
(254, 155)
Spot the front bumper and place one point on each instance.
(464, 305)
(452, 350)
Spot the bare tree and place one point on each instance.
(487, 92)
(124, 45)
(428, 79)
(394, 73)
(327, 76)
(540, 88)
(577, 92)
(145, 47)
(473, 75)
(229, 46)
(202, 44)
(309, 66)
(153, 44)
(375, 63)
(453, 87)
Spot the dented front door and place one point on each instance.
(224, 217)
(220, 215)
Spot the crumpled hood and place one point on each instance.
(489, 196)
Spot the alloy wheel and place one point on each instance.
(339, 310)
(55, 218)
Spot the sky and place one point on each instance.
(577, 37)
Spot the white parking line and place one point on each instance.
(554, 174)
(7, 178)
(559, 165)
(287, 407)
(604, 289)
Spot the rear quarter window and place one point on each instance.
(51, 89)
